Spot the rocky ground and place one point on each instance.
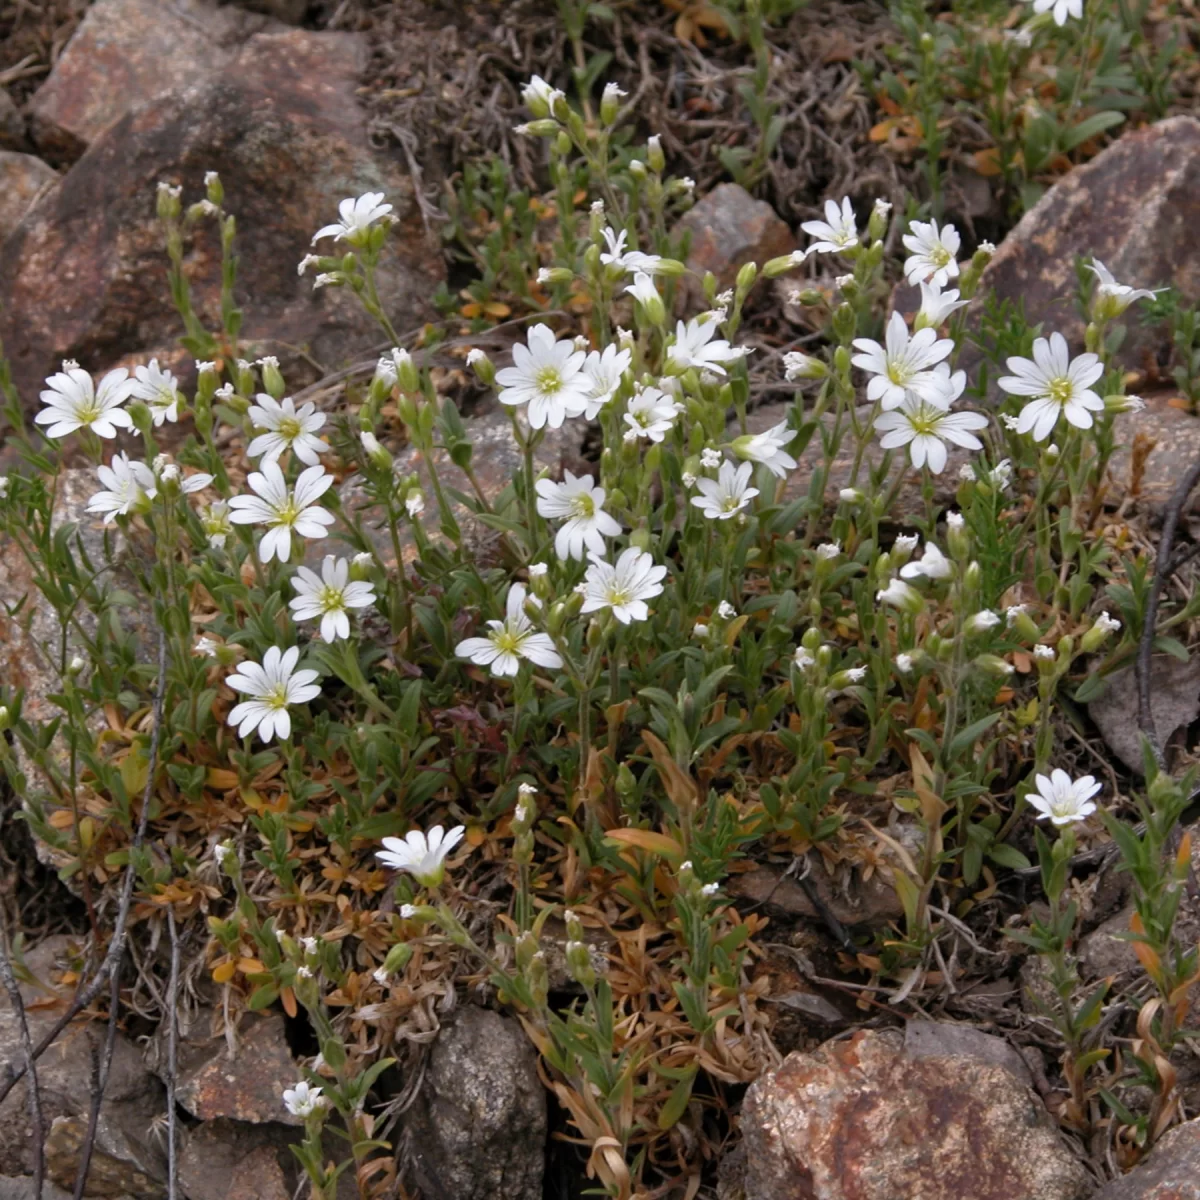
(298, 105)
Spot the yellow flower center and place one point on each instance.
(583, 505)
(1060, 390)
(287, 513)
(939, 255)
(290, 429)
(330, 598)
(277, 697)
(548, 380)
(924, 420)
(506, 641)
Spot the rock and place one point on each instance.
(12, 124)
(127, 1154)
(23, 178)
(1136, 207)
(1174, 703)
(478, 1126)
(84, 276)
(863, 1119)
(243, 1085)
(1170, 1172)
(729, 227)
(20, 1187)
(944, 1039)
(125, 53)
(871, 903)
(108, 1175)
(228, 1160)
(495, 462)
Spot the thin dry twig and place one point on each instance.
(111, 964)
(36, 1119)
(172, 1007)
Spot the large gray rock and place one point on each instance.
(478, 1128)
(23, 178)
(124, 53)
(1171, 1172)
(866, 1119)
(84, 275)
(228, 1160)
(128, 1155)
(1136, 207)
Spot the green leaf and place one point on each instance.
(966, 738)
(677, 1101)
(1089, 127)
(1169, 645)
(1004, 855)
(263, 996)
(1092, 688)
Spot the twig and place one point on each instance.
(35, 1098)
(172, 1053)
(1162, 568)
(100, 1068)
(110, 966)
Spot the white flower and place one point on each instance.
(537, 570)
(922, 426)
(423, 856)
(726, 611)
(1059, 386)
(932, 253)
(710, 458)
(272, 688)
(855, 674)
(526, 790)
(1062, 9)
(688, 479)
(126, 485)
(283, 510)
(1000, 476)
(728, 494)
(1064, 801)
(837, 232)
(205, 647)
(356, 218)
(73, 402)
(849, 495)
(548, 376)
(286, 428)
(604, 371)
(311, 944)
(982, 621)
(699, 630)
(1013, 612)
(901, 595)
(414, 503)
(613, 92)
(222, 851)
(1114, 298)
(936, 306)
(797, 365)
(904, 363)
(303, 1100)
(883, 207)
(1043, 651)
(933, 564)
(904, 663)
(828, 550)
(510, 640)
(623, 586)
(643, 290)
(803, 658)
(309, 260)
(380, 975)
(408, 911)
(1009, 422)
(768, 448)
(328, 596)
(905, 544)
(1107, 624)
(216, 523)
(157, 388)
(580, 506)
(538, 92)
(225, 392)
(627, 260)
(694, 347)
(651, 414)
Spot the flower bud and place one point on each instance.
(1099, 633)
(397, 958)
(992, 664)
(1123, 404)
(747, 274)
(213, 188)
(579, 963)
(610, 103)
(878, 222)
(168, 203)
(376, 454)
(272, 377)
(553, 276)
(544, 127)
(845, 323)
(654, 153)
(775, 267)
(957, 539)
(841, 360)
